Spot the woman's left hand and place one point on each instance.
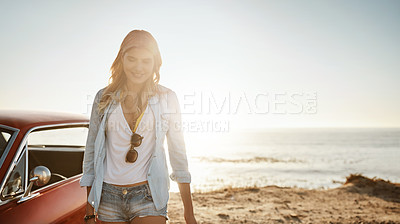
(189, 218)
(188, 213)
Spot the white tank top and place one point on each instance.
(116, 170)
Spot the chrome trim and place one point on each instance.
(22, 146)
(56, 126)
(56, 183)
(9, 143)
(27, 198)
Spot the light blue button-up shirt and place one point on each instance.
(166, 110)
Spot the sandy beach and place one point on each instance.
(358, 200)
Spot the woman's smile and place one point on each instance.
(138, 65)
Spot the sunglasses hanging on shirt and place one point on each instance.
(136, 141)
(132, 154)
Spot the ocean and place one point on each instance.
(309, 158)
(312, 158)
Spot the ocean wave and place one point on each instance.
(256, 159)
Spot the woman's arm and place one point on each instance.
(175, 140)
(178, 158)
(184, 189)
(88, 159)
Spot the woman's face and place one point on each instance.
(138, 65)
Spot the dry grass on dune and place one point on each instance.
(373, 187)
(359, 200)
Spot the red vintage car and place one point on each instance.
(41, 156)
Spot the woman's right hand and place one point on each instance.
(89, 209)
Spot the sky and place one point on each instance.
(233, 64)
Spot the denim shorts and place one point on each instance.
(122, 204)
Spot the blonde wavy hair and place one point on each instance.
(116, 88)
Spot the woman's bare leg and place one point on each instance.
(149, 220)
(114, 222)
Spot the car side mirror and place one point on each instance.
(43, 175)
(39, 176)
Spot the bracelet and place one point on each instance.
(87, 217)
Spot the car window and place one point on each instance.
(4, 139)
(69, 137)
(59, 149)
(16, 181)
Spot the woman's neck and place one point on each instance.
(133, 88)
(132, 98)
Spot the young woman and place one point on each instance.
(124, 167)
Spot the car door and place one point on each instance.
(61, 200)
